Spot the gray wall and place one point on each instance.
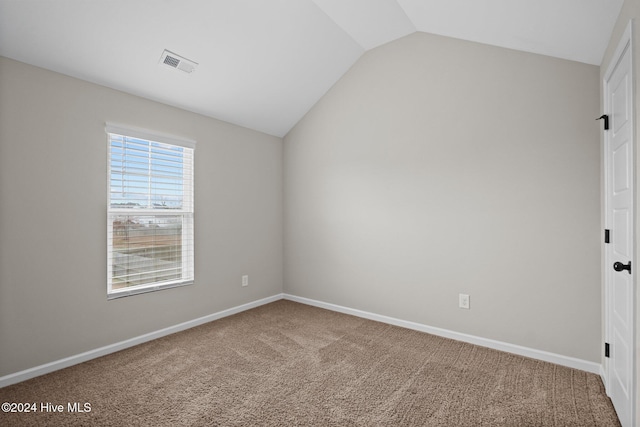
(53, 158)
(434, 166)
(437, 166)
(630, 10)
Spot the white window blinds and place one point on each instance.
(150, 212)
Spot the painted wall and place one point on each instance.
(438, 166)
(53, 160)
(630, 10)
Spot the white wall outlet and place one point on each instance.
(463, 301)
(245, 280)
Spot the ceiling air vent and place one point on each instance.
(172, 60)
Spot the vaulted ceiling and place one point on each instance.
(263, 64)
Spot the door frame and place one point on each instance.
(625, 43)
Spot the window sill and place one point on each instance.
(136, 290)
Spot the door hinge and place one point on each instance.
(606, 121)
(606, 349)
(607, 236)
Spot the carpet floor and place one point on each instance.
(289, 364)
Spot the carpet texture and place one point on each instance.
(288, 364)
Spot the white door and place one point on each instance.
(619, 217)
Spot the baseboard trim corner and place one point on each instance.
(46, 368)
(571, 362)
(36, 371)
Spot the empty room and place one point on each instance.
(319, 212)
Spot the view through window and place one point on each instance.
(150, 212)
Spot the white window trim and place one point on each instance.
(189, 196)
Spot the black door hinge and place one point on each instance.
(606, 121)
(606, 349)
(607, 237)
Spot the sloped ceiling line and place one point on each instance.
(264, 63)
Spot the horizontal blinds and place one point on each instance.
(150, 250)
(150, 175)
(150, 214)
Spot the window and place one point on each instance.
(149, 212)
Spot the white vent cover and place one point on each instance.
(172, 60)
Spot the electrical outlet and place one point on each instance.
(245, 280)
(463, 301)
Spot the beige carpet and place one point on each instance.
(287, 364)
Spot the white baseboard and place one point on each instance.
(484, 342)
(112, 348)
(603, 377)
(558, 359)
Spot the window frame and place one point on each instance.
(186, 212)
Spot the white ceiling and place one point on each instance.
(264, 63)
